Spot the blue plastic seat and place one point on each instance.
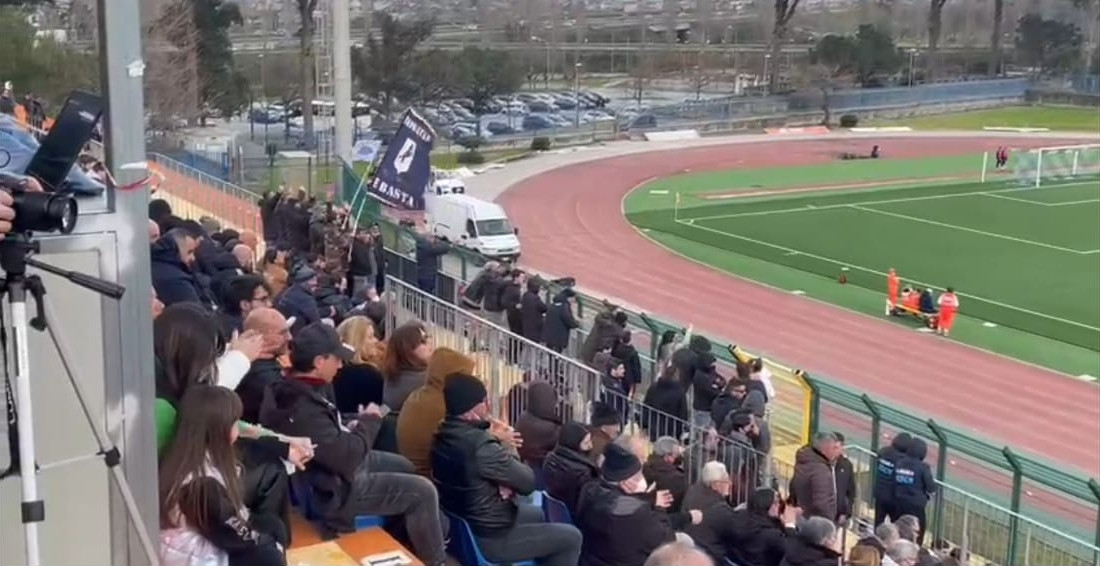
(463, 545)
(300, 498)
(555, 510)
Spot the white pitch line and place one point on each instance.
(1037, 203)
(971, 230)
(867, 270)
(885, 201)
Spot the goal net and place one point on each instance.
(1053, 165)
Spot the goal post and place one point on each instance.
(1055, 164)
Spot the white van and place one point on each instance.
(473, 223)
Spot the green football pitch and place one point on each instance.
(1025, 260)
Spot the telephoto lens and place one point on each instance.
(43, 212)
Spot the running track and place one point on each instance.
(572, 223)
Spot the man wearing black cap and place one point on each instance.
(622, 520)
(298, 302)
(478, 478)
(606, 424)
(340, 479)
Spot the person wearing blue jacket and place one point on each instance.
(428, 251)
(298, 302)
(913, 485)
(172, 259)
(887, 458)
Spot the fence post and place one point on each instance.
(654, 341)
(813, 404)
(876, 420)
(941, 474)
(1094, 487)
(1014, 505)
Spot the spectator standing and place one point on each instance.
(360, 381)
(560, 321)
(845, 474)
(614, 390)
(474, 293)
(813, 486)
(568, 467)
(886, 461)
(632, 362)
(533, 310)
(511, 298)
(686, 360)
(429, 250)
(664, 469)
(479, 476)
(337, 244)
(406, 363)
(538, 425)
(607, 327)
(671, 341)
(492, 294)
(201, 491)
(424, 408)
(711, 496)
(665, 407)
(340, 476)
(363, 266)
(913, 485)
(621, 524)
(172, 264)
(266, 368)
(706, 385)
(759, 532)
(379, 250)
(815, 543)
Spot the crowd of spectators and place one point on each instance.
(275, 369)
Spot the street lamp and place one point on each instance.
(767, 64)
(577, 93)
(912, 64)
(545, 77)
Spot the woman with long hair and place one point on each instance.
(201, 491)
(406, 363)
(359, 383)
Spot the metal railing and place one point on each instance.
(826, 405)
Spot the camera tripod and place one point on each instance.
(14, 252)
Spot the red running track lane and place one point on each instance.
(573, 224)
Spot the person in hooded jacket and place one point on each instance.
(706, 385)
(424, 408)
(632, 361)
(538, 425)
(914, 485)
(534, 311)
(664, 399)
(560, 321)
(346, 478)
(298, 302)
(813, 487)
(568, 467)
(886, 460)
(813, 544)
(622, 521)
(607, 327)
(759, 531)
(686, 360)
(172, 260)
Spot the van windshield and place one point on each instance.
(494, 227)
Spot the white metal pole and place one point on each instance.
(1076, 153)
(28, 477)
(1039, 169)
(985, 163)
(341, 63)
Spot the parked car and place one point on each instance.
(534, 122)
(498, 128)
(540, 106)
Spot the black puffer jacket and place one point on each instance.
(706, 384)
(621, 529)
(686, 360)
(802, 553)
(887, 460)
(534, 310)
(560, 323)
(667, 476)
(605, 332)
(539, 424)
(714, 533)
(757, 539)
(253, 387)
(666, 409)
(469, 467)
(174, 281)
(567, 470)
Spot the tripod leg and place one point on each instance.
(33, 509)
(111, 456)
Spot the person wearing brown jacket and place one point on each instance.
(813, 486)
(424, 409)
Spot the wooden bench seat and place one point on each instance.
(346, 550)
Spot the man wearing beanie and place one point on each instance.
(623, 522)
(478, 478)
(606, 426)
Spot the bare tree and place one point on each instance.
(995, 38)
(700, 80)
(172, 81)
(641, 74)
(935, 27)
(306, 8)
(784, 11)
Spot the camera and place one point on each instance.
(42, 212)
